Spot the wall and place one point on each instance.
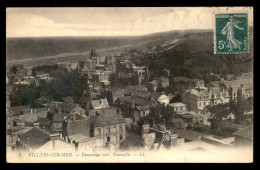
(114, 136)
(79, 127)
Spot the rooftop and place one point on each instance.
(60, 145)
(81, 138)
(190, 135)
(107, 116)
(246, 132)
(36, 137)
(178, 104)
(102, 103)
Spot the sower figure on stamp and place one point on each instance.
(228, 30)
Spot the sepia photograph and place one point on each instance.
(129, 85)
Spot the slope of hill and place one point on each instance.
(194, 45)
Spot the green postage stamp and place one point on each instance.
(231, 33)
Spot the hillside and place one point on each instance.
(194, 45)
(194, 57)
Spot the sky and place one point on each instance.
(47, 22)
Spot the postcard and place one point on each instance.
(129, 85)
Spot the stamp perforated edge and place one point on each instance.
(214, 30)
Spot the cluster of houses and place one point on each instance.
(65, 122)
(108, 120)
(24, 76)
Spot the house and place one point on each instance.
(28, 71)
(75, 124)
(158, 137)
(120, 101)
(203, 118)
(56, 145)
(142, 73)
(85, 143)
(29, 119)
(79, 110)
(179, 107)
(183, 83)
(138, 90)
(39, 112)
(16, 113)
(26, 80)
(116, 93)
(141, 111)
(41, 76)
(153, 85)
(141, 94)
(41, 101)
(155, 95)
(63, 64)
(244, 92)
(234, 86)
(94, 56)
(14, 133)
(244, 137)
(190, 135)
(163, 99)
(101, 77)
(129, 105)
(98, 104)
(57, 121)
(109, 124)
(33, 139)
(45, 124)
(197, 99)
(60, 107)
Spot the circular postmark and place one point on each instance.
(237, 58)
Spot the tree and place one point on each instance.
(220, 110)
(176, 98)
(13, 70)
(160, 89)
(81, 90)
(108, 95)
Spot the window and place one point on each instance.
(114, 129)
(99, 132)
(121, 137)
(108, 130)
(114, 138)
(121, 128)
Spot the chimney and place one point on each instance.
(36, 125)
(173, 139)
(27, 142)
(102, 103)
(53, 144)
(54, 136)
